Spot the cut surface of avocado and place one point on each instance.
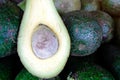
(43, 40)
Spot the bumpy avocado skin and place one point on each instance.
(85, 33)
(25, 75)
(10, 16)
(106, 22)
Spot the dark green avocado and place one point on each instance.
(25, 75)
(84, 68)
(106, 22)
(10, 16)
(108, 55)
(85, 33)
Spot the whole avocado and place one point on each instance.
(85, 33)
(86, 69)
(108, 55)
(10, 16)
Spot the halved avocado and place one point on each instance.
(43, 40)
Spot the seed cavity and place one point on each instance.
(44, 42)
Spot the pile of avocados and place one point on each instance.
(59, 40)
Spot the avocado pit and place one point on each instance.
(44, 42)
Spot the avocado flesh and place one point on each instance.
(10, 17)
(37, 13)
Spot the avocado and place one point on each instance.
(106, 22)
(108, 55)
(62, 6)
(25, 75)
(86, 69)
(111, 6)
(10, 18)
(43, 40)
(85, 33)
(90, 5)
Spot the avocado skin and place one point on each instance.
(86, 69)
(111, 6)
(84, 31)
(25, 75)
(106, 22)
(10, 16)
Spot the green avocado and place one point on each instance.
(10, 16)
(85, 33)
(87, 70)
(25, 75)
(106, 22)
(108, 55)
